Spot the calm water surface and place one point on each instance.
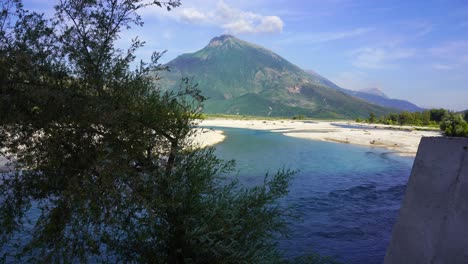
(348, 196)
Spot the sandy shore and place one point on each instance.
(202, 138)
(403, 140)
(208, 137)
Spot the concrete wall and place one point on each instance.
(432, 226)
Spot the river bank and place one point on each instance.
(403, 140)
(204, 137)
(201, 138)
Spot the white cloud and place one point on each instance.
(326, 36)
(192, 15)
(271, 24)
(323, 37)
(232, 20)
(415, 29)
(454, 55)
(451, 49)
(267, 24)
(377, 58)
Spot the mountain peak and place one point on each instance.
(223, 39)
(374, 91)
(243, 78)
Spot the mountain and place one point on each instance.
(383, 100)
(371, 95)
(324, 80)
(374, 91)
(246, 79)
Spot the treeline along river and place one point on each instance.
(348, 196)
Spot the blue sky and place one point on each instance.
(413, 50)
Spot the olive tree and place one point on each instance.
(102, 166)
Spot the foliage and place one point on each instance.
(430, 117)
(438, 115)
(454, 125)
(101, 156)
(371, 117)
(298, 117)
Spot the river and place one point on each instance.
(348, 196)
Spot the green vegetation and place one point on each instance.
(372, 118)
(426, 118)
(101, 156)
(241, 78)
(299, 117)
(453, 124)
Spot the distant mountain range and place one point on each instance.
(246, 79)
(374, 91)
(372, 95)
(385, 101)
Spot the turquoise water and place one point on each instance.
(348, 196)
